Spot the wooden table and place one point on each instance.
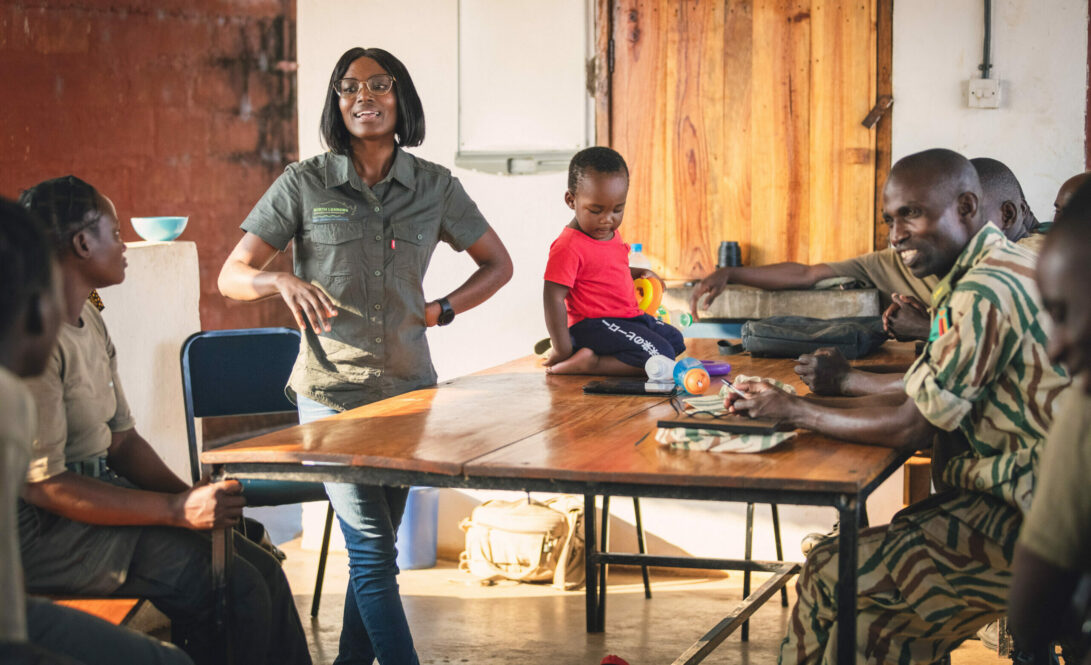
(515, 427)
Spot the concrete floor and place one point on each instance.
(456, 620)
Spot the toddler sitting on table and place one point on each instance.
(595, 326)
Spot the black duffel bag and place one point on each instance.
(792, 336)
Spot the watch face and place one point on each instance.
(446, 313)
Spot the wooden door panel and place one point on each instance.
(740, 121)
(843, 151)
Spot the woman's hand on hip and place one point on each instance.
(309, 304)
(211, 506)
(432, 310)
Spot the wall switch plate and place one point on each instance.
(983, 94)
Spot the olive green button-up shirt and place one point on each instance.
(368, 249)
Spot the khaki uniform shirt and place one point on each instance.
(1056, 529)
(885, 271)
(17, 426)
(368, 249)
(984, 371)
(79, 397)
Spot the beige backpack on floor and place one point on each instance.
(526, 541)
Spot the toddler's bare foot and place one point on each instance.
(583, 361)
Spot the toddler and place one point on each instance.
(595, 326)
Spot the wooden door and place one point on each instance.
(741, 120)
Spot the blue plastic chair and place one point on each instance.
(243, 372)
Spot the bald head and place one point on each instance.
(942, 171)
(1003, 202)
(1067, 190)
(930, 205)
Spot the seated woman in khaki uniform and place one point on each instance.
(101, 513)
(34, 629)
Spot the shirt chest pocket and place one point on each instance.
(413, 244)
(336, 247)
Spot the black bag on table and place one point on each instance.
(792, 336)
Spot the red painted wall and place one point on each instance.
(168, 107)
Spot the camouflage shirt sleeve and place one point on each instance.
(959, 366)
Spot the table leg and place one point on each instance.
(748, 551)
(849, 512)
(223, 555)
(591, 586)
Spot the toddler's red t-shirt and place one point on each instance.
(596, 273)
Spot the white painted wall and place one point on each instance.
(1039, 51)
(149, 315)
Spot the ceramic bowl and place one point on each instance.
(159, 228)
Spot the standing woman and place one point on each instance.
(365, 218)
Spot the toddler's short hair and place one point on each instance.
(597, 158)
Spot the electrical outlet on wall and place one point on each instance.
(983, 94)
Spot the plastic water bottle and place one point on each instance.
(637, 258)
(660, 369)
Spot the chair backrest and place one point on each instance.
(234, 373)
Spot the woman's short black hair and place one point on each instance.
(26, 261)
(65, 205)
(597, 158)
(409, 130)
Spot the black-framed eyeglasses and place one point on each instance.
(380, 84)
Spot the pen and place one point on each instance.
(732, 388)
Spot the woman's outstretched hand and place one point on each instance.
(309, 304)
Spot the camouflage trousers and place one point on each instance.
(927, 581)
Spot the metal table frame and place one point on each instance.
(850, 508)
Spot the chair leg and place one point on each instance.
(641, 546)
(748, 555)
(780, 551)
(323, 555)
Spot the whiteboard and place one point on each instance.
(522, 77)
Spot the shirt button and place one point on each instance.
(980, 483)
(377, 307)
(420, 236)
(378, 273)
(379, 238)
(378, 209)
(378, 340)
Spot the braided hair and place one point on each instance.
(26, 261)
(66, 206)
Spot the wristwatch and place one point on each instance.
(446, 314)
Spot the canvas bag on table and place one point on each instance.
(792, 336)
(527, 541)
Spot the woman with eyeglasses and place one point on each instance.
(365, 218)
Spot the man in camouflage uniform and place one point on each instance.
(941, 569)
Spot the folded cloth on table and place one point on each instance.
(714, 441)
(695, 438)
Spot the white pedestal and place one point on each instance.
(148, 316)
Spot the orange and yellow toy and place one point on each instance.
(649, 293)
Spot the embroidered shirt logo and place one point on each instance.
(332, 211)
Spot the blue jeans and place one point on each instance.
(374, 624)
